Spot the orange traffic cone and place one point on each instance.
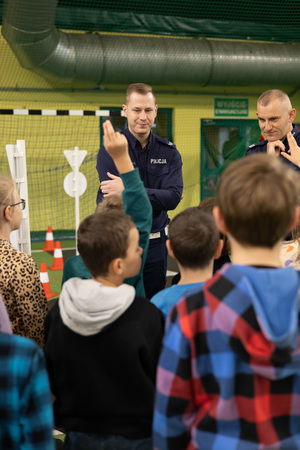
(49, 244)
(45, 281)
(58, 261)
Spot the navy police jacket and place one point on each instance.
(261, 147)
(160, 169)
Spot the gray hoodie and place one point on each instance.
(86, 306)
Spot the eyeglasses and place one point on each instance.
(22, 204)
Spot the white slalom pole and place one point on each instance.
(76, 182)
(16, 155)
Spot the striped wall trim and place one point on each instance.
(60, 112)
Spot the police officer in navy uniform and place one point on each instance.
(160, 168)
(275, 117)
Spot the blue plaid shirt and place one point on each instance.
(26, 415)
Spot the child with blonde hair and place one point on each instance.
(20, 284)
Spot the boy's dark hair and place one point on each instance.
(113, 202)
(257, 196)
(103, 237)
(139, 88)
(193, 237)
(208, 205)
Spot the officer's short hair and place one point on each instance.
(103, 237)
(257, 196)
(267, 96)
(139, 88)
(193, 237)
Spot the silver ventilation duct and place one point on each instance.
(29, 28)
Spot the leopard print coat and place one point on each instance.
(22, 292)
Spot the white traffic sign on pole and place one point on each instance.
(69, 154)
(69, 184)
(75, 182)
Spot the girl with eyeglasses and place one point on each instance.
(20, 284)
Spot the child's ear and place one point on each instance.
(8, 212)
(219, 220)
(169, 248)
(219, 249)
(295, 218)
(116, 266)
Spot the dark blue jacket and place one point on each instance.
(160, 169)
(261, 147)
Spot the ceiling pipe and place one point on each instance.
(96, 59)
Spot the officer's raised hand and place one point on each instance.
(293, 154)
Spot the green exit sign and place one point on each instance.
(233, 107)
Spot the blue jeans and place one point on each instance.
(90, 441)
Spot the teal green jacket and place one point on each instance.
(136, 205)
